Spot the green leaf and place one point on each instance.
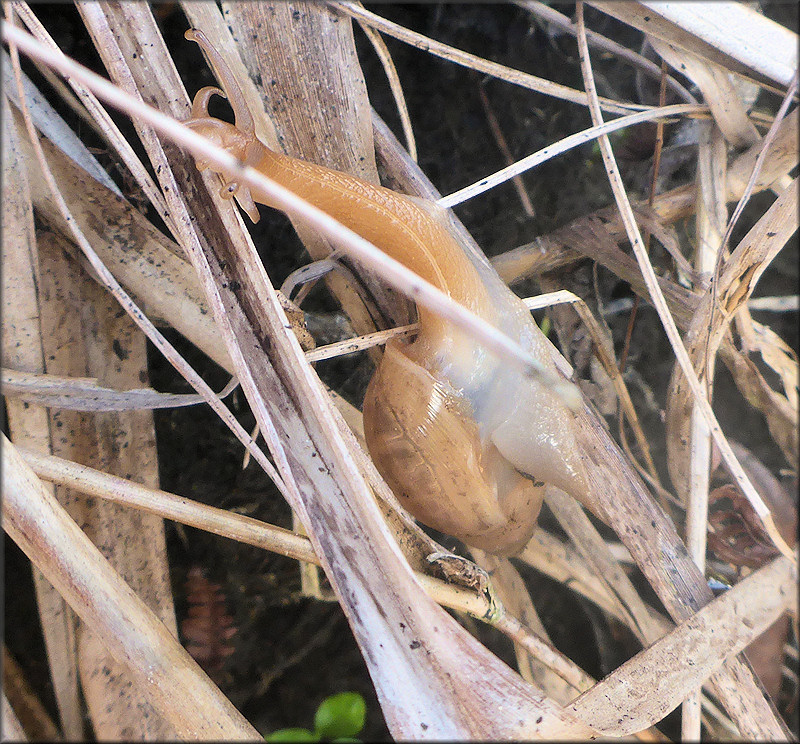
(292, 734)
(340, 716)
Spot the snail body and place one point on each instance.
(466, 443)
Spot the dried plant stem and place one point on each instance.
(394, 83)
(711, 218)
(551, 15)
(360, 343)
(12, 728)
(562, 146)
(499, 137)
(543, 651)
(220, 522)
(769, 137)
(540, 85)
(657, 298)
(107, 127)
(401, 278)
(284, 542)
(84, 394)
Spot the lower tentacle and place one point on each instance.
(201, 99)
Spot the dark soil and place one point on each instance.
(290, 652)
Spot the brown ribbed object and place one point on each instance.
(208, 628)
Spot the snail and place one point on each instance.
(465, 442)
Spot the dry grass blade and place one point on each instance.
(21, 313)
(710, 221)
(220, 522)
(105, 124)
(583, 236)
(566, 564)
(394, 82)
(52, 126)
(732, 35)
(475, 63)
(85, 394)
(741, 272)
(719, 93)
(680, 661)
(18, 693)
(562, 146)
(163, 671)
(12, 728)
(551, 15)
(559, 677)
(134, 544)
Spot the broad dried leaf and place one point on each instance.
(29, 425)
(657, 679)
(730, 34)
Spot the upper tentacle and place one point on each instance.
(242, 114)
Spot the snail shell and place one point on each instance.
(423, 438)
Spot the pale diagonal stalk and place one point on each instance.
(657, 298)
(473, 62)
(711, 218)
(562, 146)
(394, 83)
(247, 530)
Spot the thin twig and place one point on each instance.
(459, 57)
(499, 137)
(394, 83)
(551, 15)
(737, 212)
(562, 146)
(107, 126)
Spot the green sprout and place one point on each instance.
(338, 719)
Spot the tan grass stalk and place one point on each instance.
(146, 325)
(551, 15)
(105, 123)
(697, 647)
(32, 714)
(711, 218)
(563, 145)
(733, 35)
(85, 394)
(394, 83)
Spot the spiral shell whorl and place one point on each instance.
(423, 438)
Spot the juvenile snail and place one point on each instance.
(465, 442)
